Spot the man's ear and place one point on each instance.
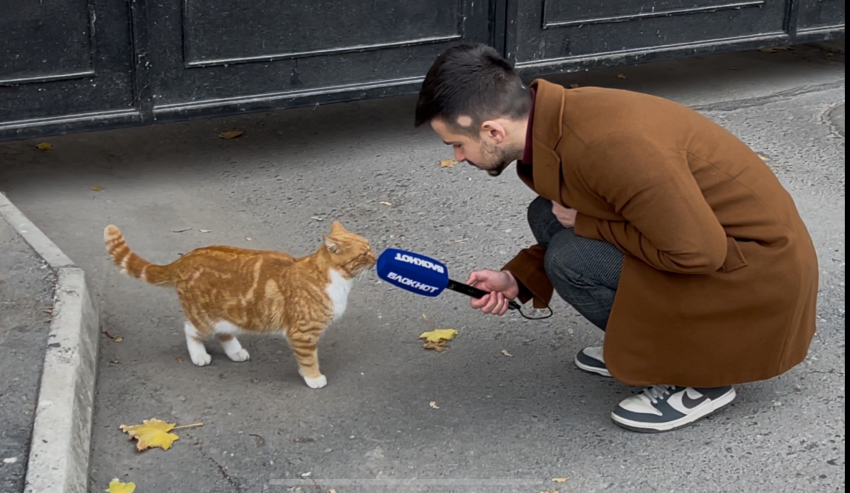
(332, 245)
(494, 131)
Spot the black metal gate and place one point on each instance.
(76, 65)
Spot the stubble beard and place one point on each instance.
(501, 158)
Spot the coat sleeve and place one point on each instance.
(527, 268)
(667, 222)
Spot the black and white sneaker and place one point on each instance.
(666, 408)
(590, 360)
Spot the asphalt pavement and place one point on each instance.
(396, 417)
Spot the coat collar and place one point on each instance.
(547, 130)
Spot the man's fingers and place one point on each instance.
(479, 303)
(492, 302)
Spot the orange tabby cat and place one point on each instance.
(225, 290)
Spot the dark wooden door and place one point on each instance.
(64, 60)
(220, 56)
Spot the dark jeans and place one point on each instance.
(584, 272)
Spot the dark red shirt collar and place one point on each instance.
(527, 154)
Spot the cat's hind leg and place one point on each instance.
(232, 348)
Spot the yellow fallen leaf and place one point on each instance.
(447, 163)
(560, 480)
(231, 134)
(506, 353)
(44, 146)
(439, 335)
(434, 405)
(154, 433)
(118, 339)
(116, 486)
(97, 188)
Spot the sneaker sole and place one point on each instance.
(700, 412)
(592, 369)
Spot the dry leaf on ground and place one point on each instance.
(231, 134)
(447, 163)
(116, 486)
(97, 188)
(437, 339)
(45, 146)
(439, 335)
(434, 405)
(560, 480)
(506, 353)
(154, 433)
(179, 360)
(118, 339)
(386, 203)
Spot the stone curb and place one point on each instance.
(60, 446)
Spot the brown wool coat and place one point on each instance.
(720, 279)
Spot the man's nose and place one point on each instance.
(459, 157)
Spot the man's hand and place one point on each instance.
(567, 217)
(502, 287)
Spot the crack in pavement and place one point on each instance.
(739, 104)
(220, 467)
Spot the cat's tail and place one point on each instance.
(130, 263)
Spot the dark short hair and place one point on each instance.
(474, 81)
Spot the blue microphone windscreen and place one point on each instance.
(413, 272)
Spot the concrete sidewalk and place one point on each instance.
(48, 344)
(504, 424)
(26, 302)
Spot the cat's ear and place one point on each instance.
(337, 228)
(332, 245)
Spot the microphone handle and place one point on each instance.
(475, 292)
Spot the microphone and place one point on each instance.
(422, 275)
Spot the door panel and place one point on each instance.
(817, 14)
(229, 54)
(564, 29)
(59, 58)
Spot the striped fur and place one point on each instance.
(225, 290)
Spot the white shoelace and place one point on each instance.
(657, 392)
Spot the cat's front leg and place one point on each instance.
(232, 348)
(304, 344)
(195, 344)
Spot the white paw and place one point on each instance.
(201, 359)
(239, 356)
(316, 383)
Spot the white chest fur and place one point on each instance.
(338, 293)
